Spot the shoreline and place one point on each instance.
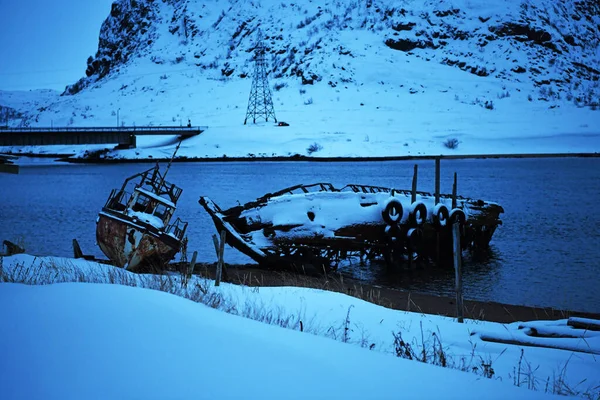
(297, 157)
(393, 298)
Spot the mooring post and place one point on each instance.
(220, 249)
(457, 269)
(192, 265)
(437, 180)
(437, 200)
(222, 254)
(414, 185)
(77, 253)
(454, 193)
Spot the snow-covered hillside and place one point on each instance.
(357, 77)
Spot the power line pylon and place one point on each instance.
(260, 103)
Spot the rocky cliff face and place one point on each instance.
(126, 33)
(547, 44)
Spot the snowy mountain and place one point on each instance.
(551, 45)
(358, 77)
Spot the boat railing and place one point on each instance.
(153, 181)
(300, 189)
(156, 184)
(177, 229)
(117, 200)
(366, 189)
(357, 188)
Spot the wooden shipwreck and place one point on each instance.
(310, 228)
(134, 228)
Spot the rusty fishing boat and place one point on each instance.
(311, 228)
(134, 228)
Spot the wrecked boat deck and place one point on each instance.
(312, 228)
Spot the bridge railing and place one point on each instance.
(128, 129)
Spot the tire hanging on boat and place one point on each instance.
(393, 231)
(413, 236)
(457, 215)
(418, 215)
(440, 215)
(392, 213)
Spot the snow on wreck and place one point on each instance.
(311, 228)
(133, 229)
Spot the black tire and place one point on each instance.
(392, 213)
(441, 215)
(457, 215)
(392, 231)
(414, 238)
(418, 216)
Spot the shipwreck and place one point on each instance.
(311, 228)
(134, 228)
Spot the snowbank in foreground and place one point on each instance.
(111, 341)
(108, 333)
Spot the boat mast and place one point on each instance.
(169, 165)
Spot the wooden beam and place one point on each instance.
(584, 323)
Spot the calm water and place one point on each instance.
(546, 253)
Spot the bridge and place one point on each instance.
(124, 137)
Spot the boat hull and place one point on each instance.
(134, 245)
(318, 225)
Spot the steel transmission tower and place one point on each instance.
(260, 103)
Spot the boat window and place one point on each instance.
(141, 203)
(161, 211)
(115, 202)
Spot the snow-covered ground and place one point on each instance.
(193, 61)
(94, 340)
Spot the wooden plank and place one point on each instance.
(584, 323)
(526, 341)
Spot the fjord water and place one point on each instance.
(546, 253)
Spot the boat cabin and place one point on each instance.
(144, 202)
(148, 197)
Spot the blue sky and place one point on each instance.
(46, 43)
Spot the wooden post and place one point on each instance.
(414, 185)
(437, 200)
(454, 193)
(77, 253)
(437, 180)
(192, 265)
(457, 269)
(220, 249)
(222, 253)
